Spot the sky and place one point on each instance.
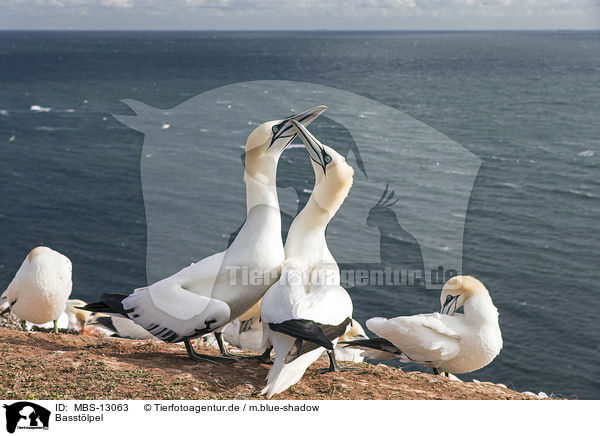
(299, 14)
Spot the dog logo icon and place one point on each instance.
(26, 415)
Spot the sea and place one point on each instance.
(520, 108)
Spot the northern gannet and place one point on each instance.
(447, 342)
(72, 318)
(78, 318)
(202, 297)
(38, 293)
(245, 332)
(307, 309)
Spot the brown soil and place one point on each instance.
(67, 366)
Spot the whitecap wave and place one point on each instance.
(52, 129)
(37, 108)
(587, 153)
(581, 193)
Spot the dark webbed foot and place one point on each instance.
(226, 353)
(333, 365)
(265, 357)
(216, 360)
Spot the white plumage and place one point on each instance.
(448, 341)
(245, 332)
(39, 291)
(204, 297)
(307, 306)
(122, 327)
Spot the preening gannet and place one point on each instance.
(72, 318)
(307, 309)
(38, 293)
(203, 296)
(447, 342)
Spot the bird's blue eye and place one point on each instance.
(449, 297)
(327, 158)
(275, 129)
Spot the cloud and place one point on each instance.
(340, 13)
(393, 7)
(123, 4)
(340, 7)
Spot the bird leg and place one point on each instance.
(55, 326)
(333, 365)
(216, 360)
(5, 311)
(436, 371)
(226, 353)
(24, 325)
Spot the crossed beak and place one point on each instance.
(284, 132)
(315, 149)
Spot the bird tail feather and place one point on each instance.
(109, 303)
(283, 375)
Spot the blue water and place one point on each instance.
(526, 103)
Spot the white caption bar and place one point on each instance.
(149, 417)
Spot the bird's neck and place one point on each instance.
(307, 232)
(261, 191)
(481, 309)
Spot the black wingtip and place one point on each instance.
(95, 307)
(374, 343)
(109, 303)
(107, 322)
(303, 329)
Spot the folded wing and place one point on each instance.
(425, 339)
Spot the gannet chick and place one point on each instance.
(344, 354)
(245, 332)
(78, 318)
(447, 342)
(38, 293)
(307, 310)
(202, 297)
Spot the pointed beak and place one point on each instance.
(449, 306)
(284, 132)
(316, 150)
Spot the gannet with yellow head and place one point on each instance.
(202, 297)
(448, 341)
(305, 312)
